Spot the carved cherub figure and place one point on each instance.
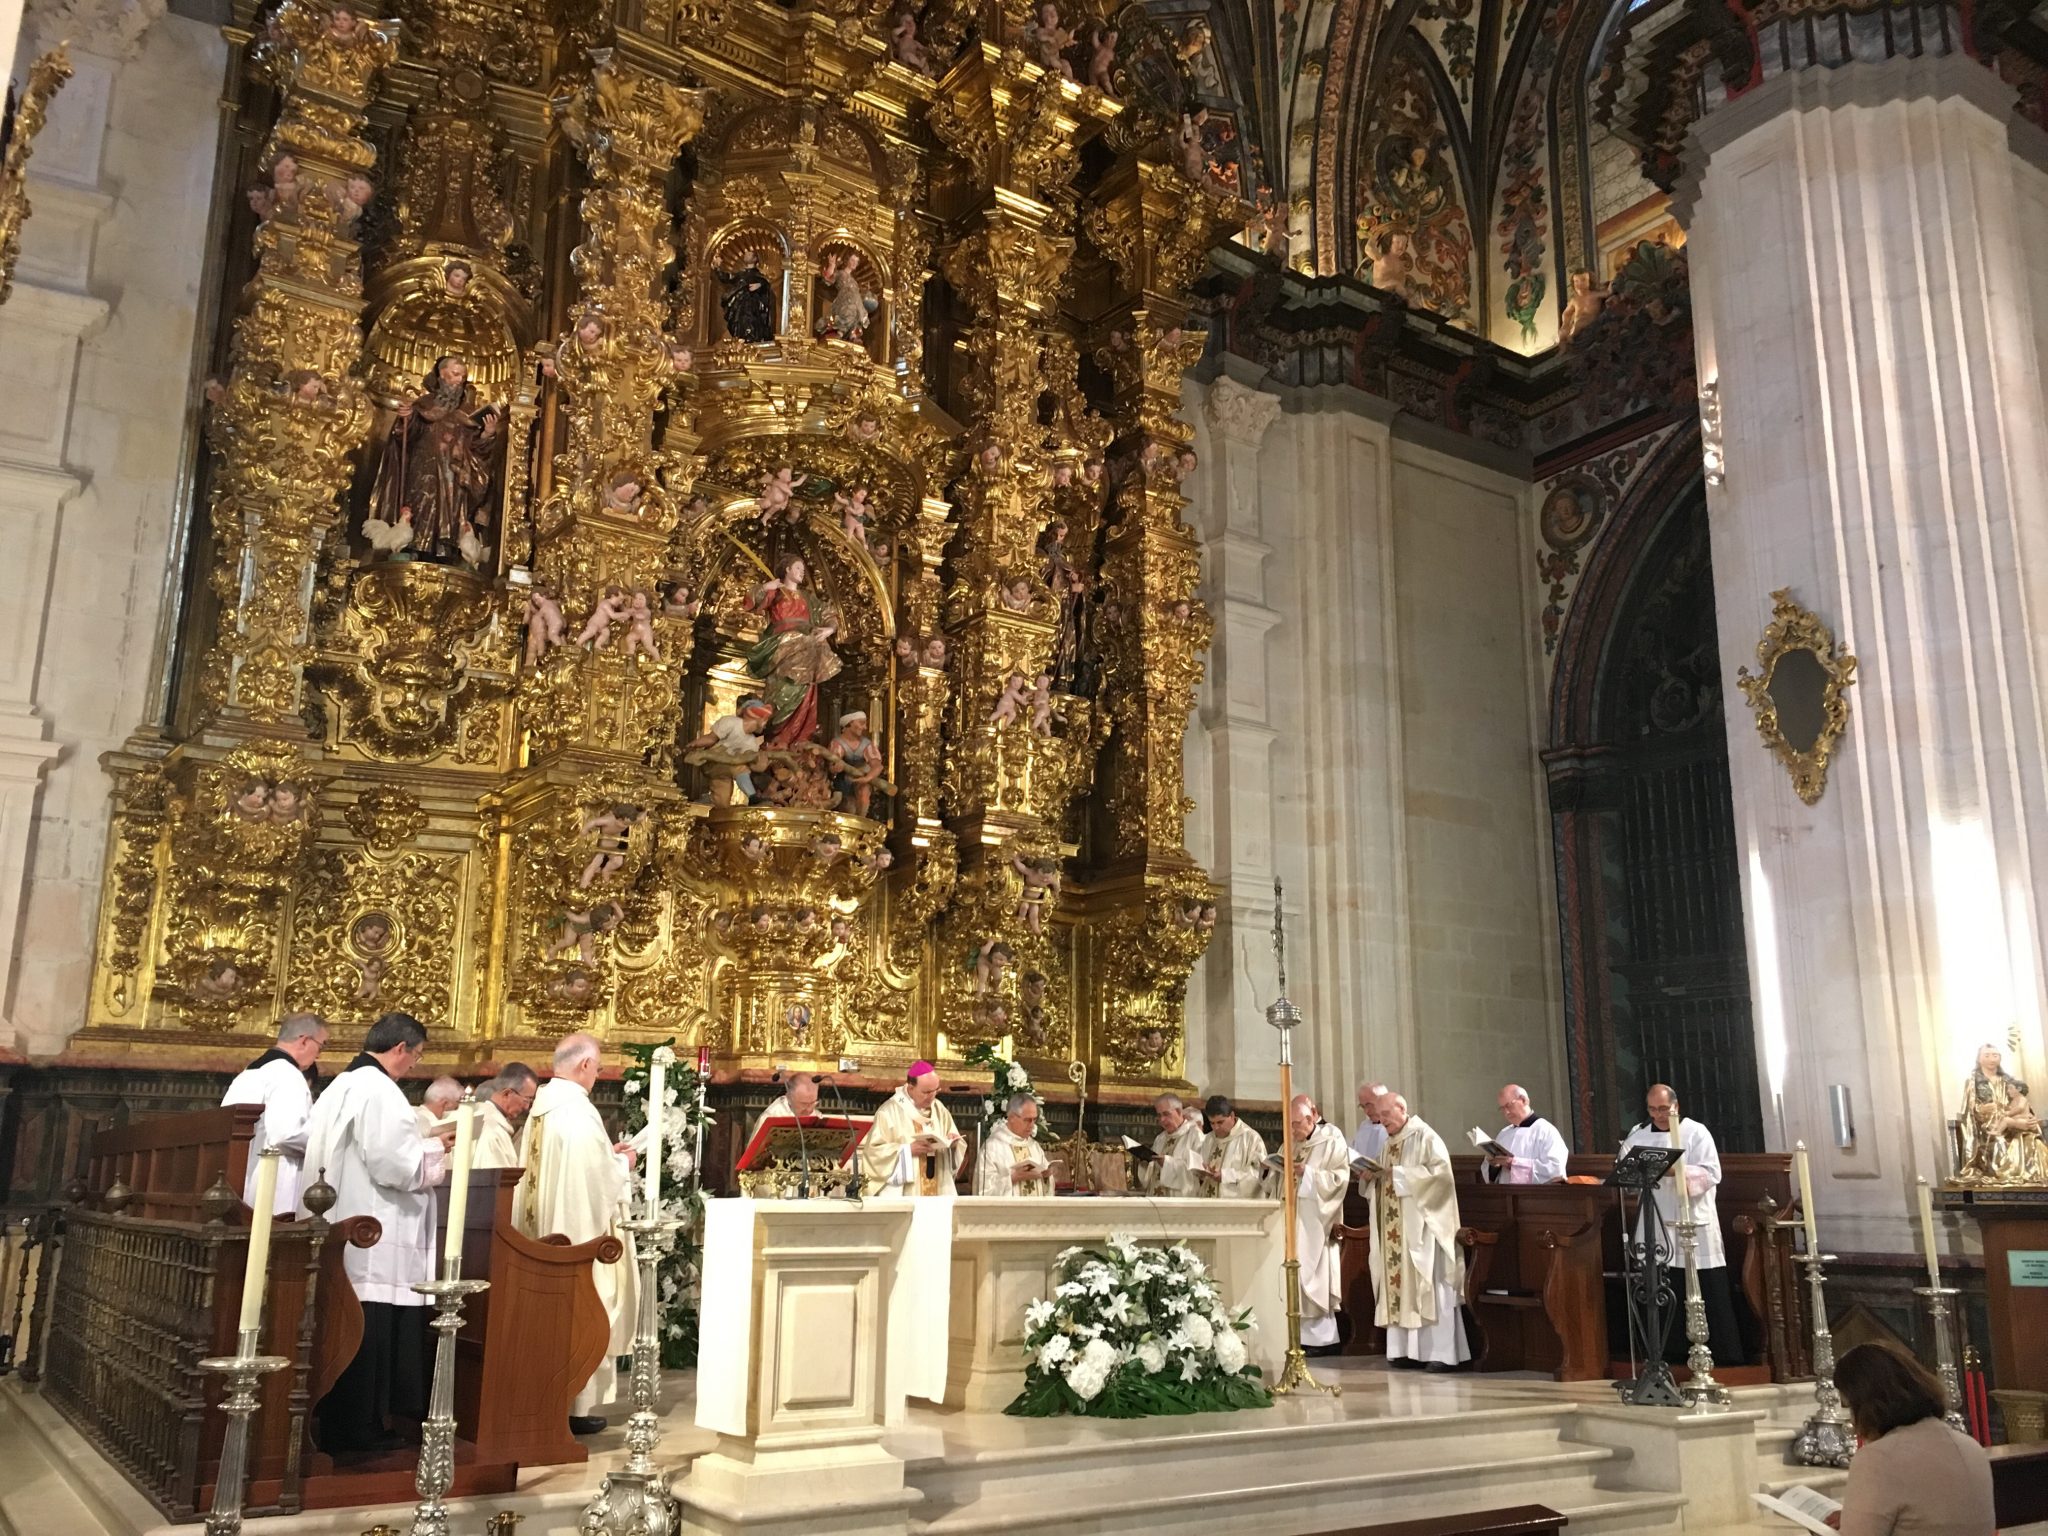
(287, 802)
(371, 935)
(610, 832)
(1102, 61)
(752, 848)
(640, 628)
(875, 862)
(1011, 701)
(904, 45)
(865, 427)
(935, 651)
(1041, 705)
(221, 983)
(778, 492)
(611, 609)
(1048, 40)
(990, 962)
(1582, 308)
(623, 494)
(826, 848)
(251, 802)
(350, 199)
(543, 623)
(680, 358)
(1017, 596)
(678, 601)
(579, 930)
(1040, 887)
(855, 515)
(1194, 155)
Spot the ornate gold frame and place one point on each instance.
(1794, 628)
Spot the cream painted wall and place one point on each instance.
(121, 187)
(1365, 730)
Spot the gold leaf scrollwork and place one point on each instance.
(1799, 693)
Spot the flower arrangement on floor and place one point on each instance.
(1132, 1330)
(682, 1194)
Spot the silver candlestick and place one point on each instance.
(636, 1500)
(1827, 1439)
(1702, 1391)
(1939, 1310)
(241, 1369)
(436, 1473)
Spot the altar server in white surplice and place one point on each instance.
(1325, 1162)
(1012, 1163)
(276, 1080)
(1176, 1151)
(1701, 1161)
(1233, 1155)
(577, 1184)
(1537, 1153)
(1415, 1255)
(364, 1138)
(506, 1100)
(914, 1147)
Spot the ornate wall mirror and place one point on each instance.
(1800, 693)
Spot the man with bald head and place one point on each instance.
(577, 1185)
(913, 1148)
(799, 1099)
(1370, 1139)
(1536, 1154)
(1701, 1160)
(1324, 1160)
(1415, 1256)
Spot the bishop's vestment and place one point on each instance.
(890, 1169)
(1415, 1253)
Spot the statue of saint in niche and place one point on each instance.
(750, 302)
(439, 463)
(2001, 1133)
(793, 656)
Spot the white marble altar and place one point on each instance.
(1003, 1256)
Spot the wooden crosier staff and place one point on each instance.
(1284, 1016)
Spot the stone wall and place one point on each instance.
(1366, 732)
(96, 361)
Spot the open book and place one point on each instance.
(1139, 1150)
(1367, 1167)
(1805, 1507)
(1486, 1145)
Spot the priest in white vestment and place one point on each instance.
(1415, 1256)
(276, 1080)
(1176, 1151)
(1232, 1156)
(1370, 1139)
(1324, 1159)
(506, 1100)
(799, 1101)
(1537, 1153)
(437, 1103)
(1012, 1163)
(578, 1183)
(1701, 1160)
(363, 1138)
(913, 1147)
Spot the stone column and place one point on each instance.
(1862, 240)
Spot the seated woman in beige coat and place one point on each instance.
(1913, 1475)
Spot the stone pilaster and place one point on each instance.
(1864, 240)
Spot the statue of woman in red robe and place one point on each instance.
(792, 657)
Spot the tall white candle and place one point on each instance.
(458, 1181)
(1927, 1235)
(256, 1273)
(1806, 1196)
(657, 1100)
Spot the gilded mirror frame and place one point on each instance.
(1794, 628)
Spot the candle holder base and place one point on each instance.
(636, 1500)
(241, 1371)
(1706, 1394)
(1827, 1439)
(436, 1472)
(1295, 1375)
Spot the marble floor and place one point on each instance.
(1392, 1446)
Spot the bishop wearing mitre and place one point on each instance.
(1012, 1162)
(576, 1185)
(1232, 1158)
(1324, 1158)
(1415, 1255)
(1176, 1150)
(913, 1147)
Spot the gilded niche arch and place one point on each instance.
(1799, 693)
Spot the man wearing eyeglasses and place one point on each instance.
(507, 1097)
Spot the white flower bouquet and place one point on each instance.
(1131, 1330)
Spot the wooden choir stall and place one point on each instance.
(151, 1283)
(1543, 1264)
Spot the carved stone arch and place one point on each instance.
(1656, 982)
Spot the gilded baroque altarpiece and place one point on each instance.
(697, 545)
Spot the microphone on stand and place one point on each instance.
(839, 1098)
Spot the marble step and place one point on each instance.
(1205, 1450)
(1275, 1493)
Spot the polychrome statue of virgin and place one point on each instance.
(792, 657)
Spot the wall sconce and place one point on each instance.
(1711, 455)
(1841, 1117)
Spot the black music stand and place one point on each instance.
(1646, 1280)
